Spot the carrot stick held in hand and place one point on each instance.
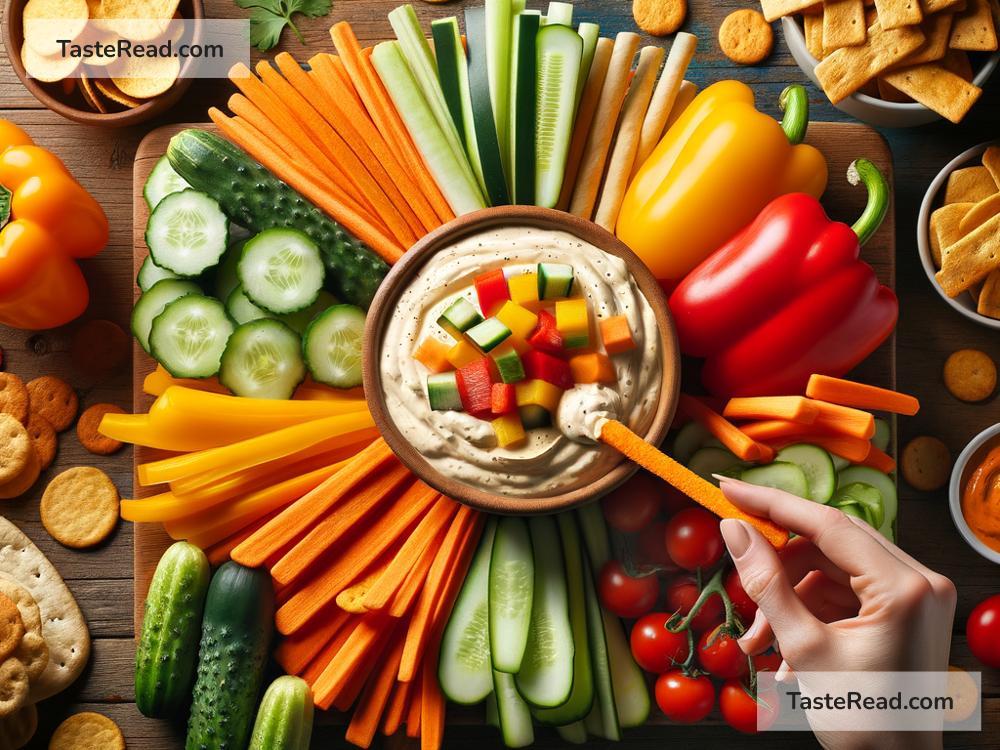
(613, 433)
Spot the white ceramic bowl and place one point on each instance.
(963, 303)
(964, 466)
(868, 108)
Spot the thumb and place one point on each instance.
(764, 579)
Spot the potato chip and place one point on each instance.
(146, 77)
(139, 20)
(843, 24)
(937, 88)
(970, 259)
(849, 68)
(895, 14)
(90, 95)
(969, 185)
(980, 213)
(112, 92)
(47, 69)
(991, 162)
(973, 29)
(45, 22)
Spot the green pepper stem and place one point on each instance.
(794, 102)
(863, 171)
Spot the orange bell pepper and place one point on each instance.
(47, 221)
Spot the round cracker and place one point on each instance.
(11, 627)
(15, 448)
(13, 686)
(659, 17)
(87, 730)
(746, 37)
(54, 399)
(146, 77)
(43, 438)
(13, 397)
(87, 429)
(31, 615)
(25, 479)
(79, 508)
(970, 375)
(45, 22)
(926, 463)
(33, 653)
(17, 729)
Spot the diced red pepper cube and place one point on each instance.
(504, 398)
(492, 291)
(546, 337)
(541, 366)
(475, 386)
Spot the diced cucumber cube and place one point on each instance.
(442, 392)
(489, 334)
(534, 417)
(459, 317)
(555, 280)
(509, 365)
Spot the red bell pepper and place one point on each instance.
(504, 399)
(541, 366)
(492, 291)
(546, 336)
(475, 387)
(787, 297)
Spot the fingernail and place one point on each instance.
(736, 536)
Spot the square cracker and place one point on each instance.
(974, 29)
(937, 30)
(988, 303)
(775, 9)
(937, 88)
(889, 93)
(991, 162)
(843, 24)
(969, 185)
(813, 30)
(970, 259)
(943, 229)
(980, 213)
(843, 72)
(895, 14)
(936, 6)
(63, 627)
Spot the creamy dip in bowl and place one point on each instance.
(556, 465)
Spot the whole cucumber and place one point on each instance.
(255, 199)
(285, 717)
(235, 641)
(167, 654)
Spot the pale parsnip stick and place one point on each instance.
(595, 153)
(627, 139)
(685, 96)
(681, 53)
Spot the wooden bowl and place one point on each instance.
(51, 95)
(399, 278)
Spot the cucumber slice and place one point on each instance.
(152, 302)
(886, 487)
(818, 467)
(882, 436)
(443, 393)
(241, 309)
(489, 334)
(866, 497)
(281, 270)
(227, 276)
(689, 439)
(299, 321)
(559, 52)
(839, 462)
(513, 713)
(150, 273)
(187, 233)
(575, 733)
(450, 58)
(459, 317)
(190, 335)
(597, 545)
(631, 692)
(498, 15)
(263, 359)
(559, 13)
(464, 670)
(546, 675)
(555, 280)
(522, 109)
(780, 476)
(512, 573)
(708, 461)
(589, 33)
(487, 137)
(162, 181)
(603, 717)
(332, 346)
(492, 711)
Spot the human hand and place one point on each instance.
(839, 596)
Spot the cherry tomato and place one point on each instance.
(625, 595)
(983, 631)
(683, 698)
(693, 539)
(682, 593)
(655, 648)
(745, 607)
(767, 662)
(634, 505)
(721, 657)
(651, 547)
(740, 710)
(674, 501)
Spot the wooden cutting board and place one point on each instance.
(840, 142)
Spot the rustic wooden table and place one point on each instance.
(102, 160)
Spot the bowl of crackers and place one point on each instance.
(958, 234)
(61, 51)
(904, 64)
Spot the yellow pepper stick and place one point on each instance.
(159, 380)
(128, 428)
(310, 391)
(257, 450)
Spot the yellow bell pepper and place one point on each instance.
(712, 173)
(47, 221)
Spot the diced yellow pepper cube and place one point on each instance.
(573, 322)
(509, 430)
(462, 354)
(538, 393)
(519, 320)
(524, 289)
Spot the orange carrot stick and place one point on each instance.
(358, 225)
(432, 705)
(404, 599)
(389, 583)
(793, 408)
(302, 515)
(413, 711)
(296, 651)
(622, 439)
(374, 699)
(769, 430)
(860, 395)
(854, 449)
(367, 670)
(880, 460)
(221, 552)
(845, 420)
(729, 434)
(329, 652)
(398, 706)
(359, 645)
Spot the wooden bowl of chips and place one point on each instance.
(93, 99)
